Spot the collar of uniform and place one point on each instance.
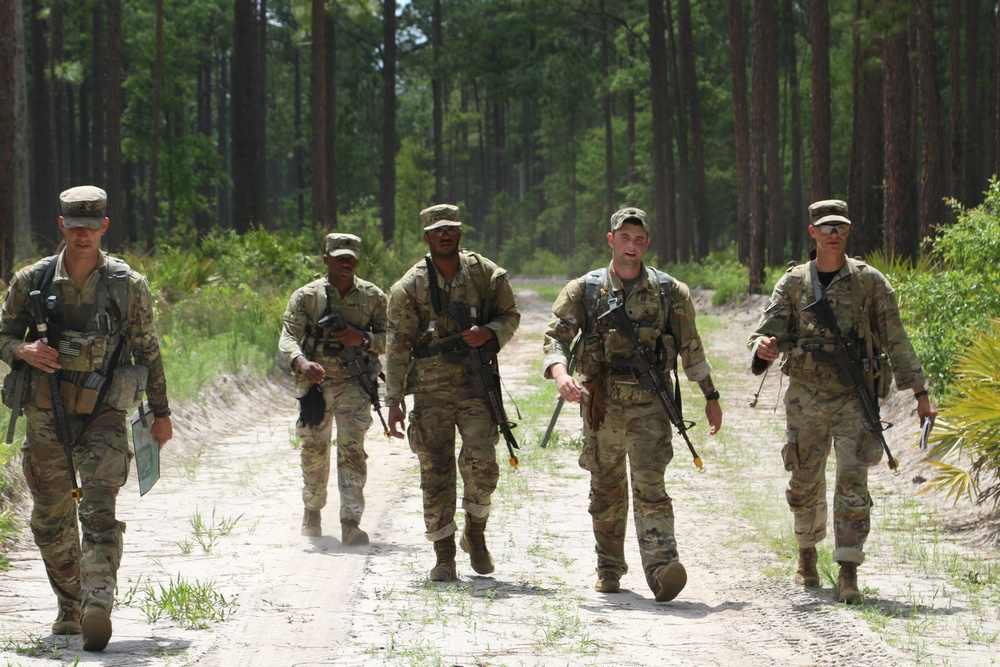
(460, 277)
(61, 274)
(642, 282)
(333, 288)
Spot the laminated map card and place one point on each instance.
(147, 449)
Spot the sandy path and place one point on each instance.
(314, 602)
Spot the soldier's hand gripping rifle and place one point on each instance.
(645, 371)
(40, 310)
(353, 361)
(849, 374)
(481, 368)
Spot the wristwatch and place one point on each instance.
(714, 396)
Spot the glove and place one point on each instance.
(312, 407)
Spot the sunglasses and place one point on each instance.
(826, 230)
(450, 230)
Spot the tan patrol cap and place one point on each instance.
(83, 206)
(343, 244)
(829, 212)
(629, 214)
(440, 215)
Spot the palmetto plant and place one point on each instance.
(969, 430)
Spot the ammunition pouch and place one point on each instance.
(9, 391)
(128, 384)
(83, 352)
(77, 399)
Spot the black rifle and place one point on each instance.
(353, 361)
(849, 374)
(45, 313)
(483, 372)
(644, 369)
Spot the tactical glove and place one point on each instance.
(312, 407)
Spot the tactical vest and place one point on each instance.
(88, 355)
(598, 343)
(318, 340)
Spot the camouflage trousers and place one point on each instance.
(820, 418)
(637, 428)
(84, 572)
(431, 431)
(349, 406)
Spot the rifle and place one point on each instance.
(353, 361)
(45, 312)
(481, 369)
(561, 401)
(850, 375)
(643, 365)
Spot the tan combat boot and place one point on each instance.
(351, 535)
(474, 543)
(607, 582)
(668, 581)
(96, 628)
(847, 583)
(444, 570)
(311, 526)
(68, 620)
(807, 575)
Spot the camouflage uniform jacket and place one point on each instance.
(665, 325)
(141, 344)
(865, 306)
(363, 307)
(413, 326)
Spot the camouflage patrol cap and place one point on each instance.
(629, 214)
(829, 212)
(343, 244)
(441, 215)
(83, 206)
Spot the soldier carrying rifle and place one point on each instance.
(622, 389)
(334, 329)
(838, 371)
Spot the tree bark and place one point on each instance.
(741, 138)
(387, 182)
(330, 52)
(661, 119)
(437, 85)
(98, 88)
(955, 188)
(900, 182)
(972, 127)
(775, 171)
(931, 190)
(22, 161)
(120, 225)
(682, 244)
(608, 107)
(819, 30)
(44, 205)
(763, 18)
(318, 111)
(8, 123)
(154, 151)
(689, 79)
(799, 214)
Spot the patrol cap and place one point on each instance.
(440, 215)
(829, 212)
(629, 214)
(83, 206)
(343, 244)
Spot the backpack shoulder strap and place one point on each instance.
(113, 288)
(43, 272)
(592, 287)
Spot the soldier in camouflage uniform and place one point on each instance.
(82, 576)
(420, 341)
(820, 410)
(312, 352)
(621, 419)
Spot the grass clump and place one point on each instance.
(193, 605)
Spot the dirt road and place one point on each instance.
(223, 521)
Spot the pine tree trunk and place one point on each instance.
(661, 134)
(120, 225)
(330, 35)
(741, 132)
(819, 30)
(318, 110)
(387, 182)
(931, 190)
(763, 18)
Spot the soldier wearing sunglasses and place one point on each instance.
(822, 413)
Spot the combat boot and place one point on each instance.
(311, 526)
(607, 582)
(444, 570)
(96, 627)
(847, 583)
(807, 575)
(474, 543)
(668, 581)
(68, 620)
(351, 535)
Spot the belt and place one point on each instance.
(436, 349)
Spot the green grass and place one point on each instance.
(194, 604)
